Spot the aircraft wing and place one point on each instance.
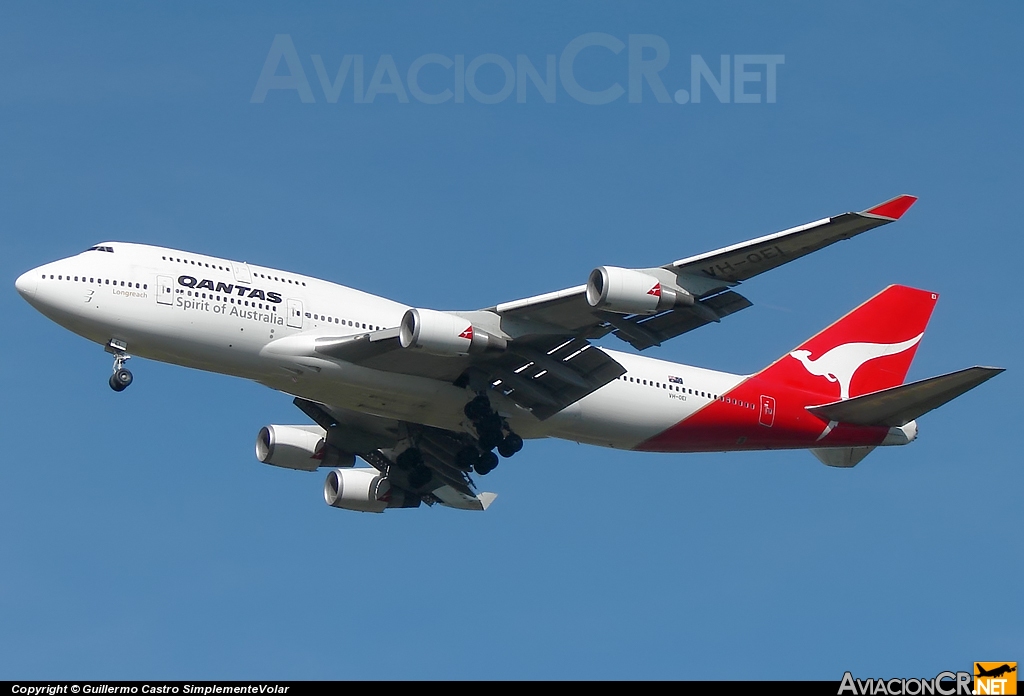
(707, 278)
(546, 361)
(375, 440)
(542, 373)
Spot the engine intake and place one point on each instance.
(626, 291)
(443, 333)
(291, 446)
(364, 490)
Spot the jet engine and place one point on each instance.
(291, 446)
(446, 334)
(364, 490)
(300, 447)
(627, 291)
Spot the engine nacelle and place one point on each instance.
(364, 490)
(626, 291)
(301, 447)
(291, 446)
(442, 333)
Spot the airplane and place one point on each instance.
(426, 397)
(994, 672)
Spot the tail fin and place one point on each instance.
(869, 349)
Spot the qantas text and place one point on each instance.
(228, 288)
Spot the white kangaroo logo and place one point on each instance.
(843, 361)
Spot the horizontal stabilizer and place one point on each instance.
(899, 405)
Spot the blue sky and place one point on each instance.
(141, 539)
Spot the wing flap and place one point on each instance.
(645, 331)
(454, 499)
(898, 406)
(536, 380)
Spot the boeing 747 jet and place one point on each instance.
(428, 398)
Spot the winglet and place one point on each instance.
(486, 499)
(893, 208)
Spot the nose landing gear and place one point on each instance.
(121, 376)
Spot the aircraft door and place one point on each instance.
(241, 271)
(295, 314)
(164, 290)
(767, 417)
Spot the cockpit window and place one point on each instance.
(101, 248)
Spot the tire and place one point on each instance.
(505, 448)
(486, 464)
(489, 439)
(513, 442)
(478, 408)
(492, 421)
(120, 380)
(466, 458)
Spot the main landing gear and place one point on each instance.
(411, 460)
(121, 377)
(492, 431)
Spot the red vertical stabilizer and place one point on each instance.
(870, 348)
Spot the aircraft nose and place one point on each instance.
(26, 284)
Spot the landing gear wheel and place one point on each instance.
(489, 439)
(419, 476)
(410, 459)
(486, 464)
(478, 408)
(466, 458)
(120, 379)
(492, 422)
(510, 445)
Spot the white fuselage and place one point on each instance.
(252, 321)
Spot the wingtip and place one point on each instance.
(893, 208)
